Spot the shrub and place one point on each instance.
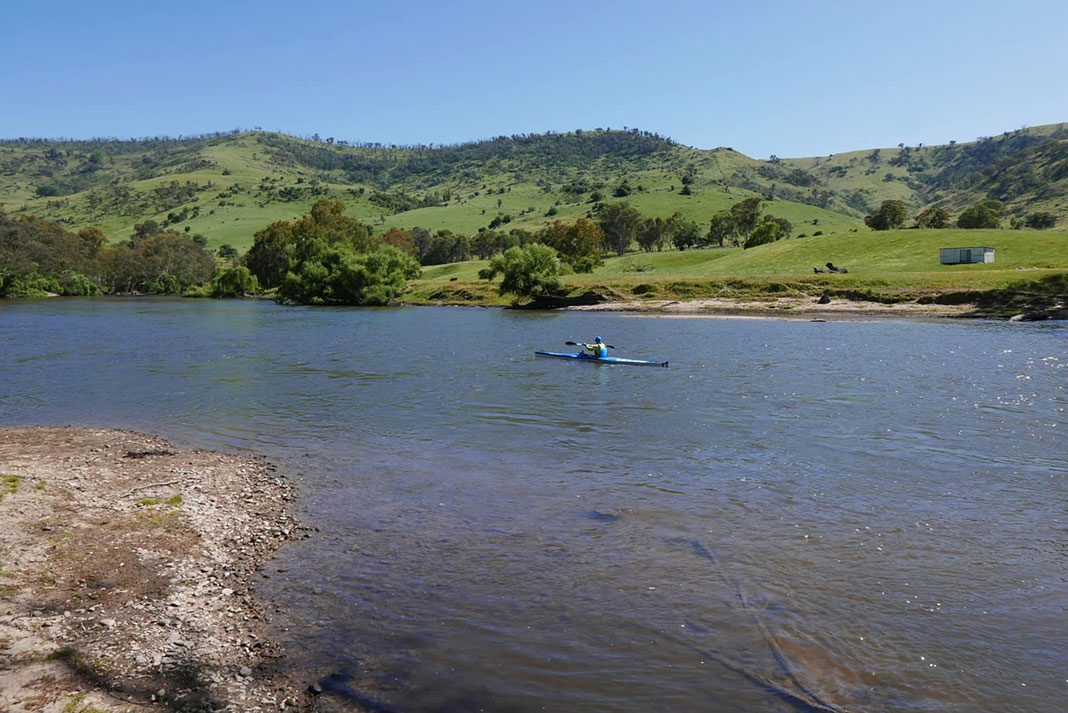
(75, 284)
(33, 285)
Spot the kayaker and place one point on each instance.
(597, 349)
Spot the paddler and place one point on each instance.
(597, 350)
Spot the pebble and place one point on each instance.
(244, 672)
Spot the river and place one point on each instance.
(856, 516)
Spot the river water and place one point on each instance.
(859, 516)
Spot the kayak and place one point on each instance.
(601, 360)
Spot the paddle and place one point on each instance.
(580, 344)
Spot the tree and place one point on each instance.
(234, 282)
(282, 244)
(227, 251)
(143, 230)
(785, 226)
(981, 215)
(745, 215)
(652, 234)
(891, 214)
(268, 258)
(766, 232)
(1040, 220)
(400, 239)
(683, 232)
(619, 221)
(578, 244)
(337, 274)
(932, 218)
(722, 227)
(526, 272)
(92, 240)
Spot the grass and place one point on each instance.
(173, 501)
(883, 266)
(9, 484)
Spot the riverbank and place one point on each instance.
(124, 575)
(1031, 301)
(782, 307)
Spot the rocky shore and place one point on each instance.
(124, 576)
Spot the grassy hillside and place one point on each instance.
(228, 186)
(885, 266)
(1026, 169)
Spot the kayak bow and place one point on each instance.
(601, 360)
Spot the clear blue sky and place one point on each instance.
(793, 78)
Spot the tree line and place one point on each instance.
(40, 257)
(892, 214)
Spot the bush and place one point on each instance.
(75, 284)
(33, 285)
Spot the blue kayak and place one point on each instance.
(601, 360)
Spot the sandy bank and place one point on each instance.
(782, 307)
(124, 568)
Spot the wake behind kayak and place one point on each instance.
(601, 360)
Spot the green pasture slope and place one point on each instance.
(893, 265)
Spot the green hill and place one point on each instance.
(227, 186)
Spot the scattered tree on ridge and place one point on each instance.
(745, 215)
(619, 221)
(578, 244)
(766, 232)
(890, 215)
(932, 218)
(1040, 220)
(981, 215)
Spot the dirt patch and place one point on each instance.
(124, 576)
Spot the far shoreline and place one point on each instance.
(782, 308)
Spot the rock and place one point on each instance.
(315, 689)
(824, 300)
(244, 672)
(107, 623)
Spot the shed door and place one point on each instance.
(966, 255)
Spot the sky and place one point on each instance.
(802, 78)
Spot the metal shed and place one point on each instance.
(956, 256)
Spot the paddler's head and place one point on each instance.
(597, 339)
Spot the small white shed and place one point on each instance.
(956, 256)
